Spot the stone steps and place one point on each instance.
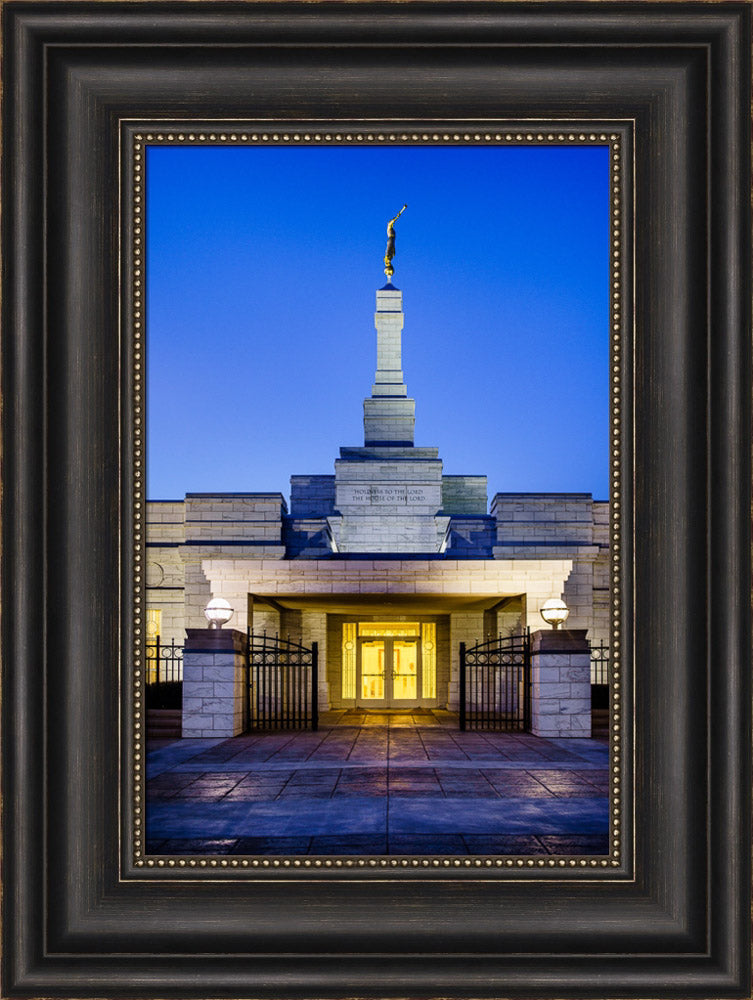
(163, 723)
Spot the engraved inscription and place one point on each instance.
(387, 495)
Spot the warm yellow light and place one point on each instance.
(389, 629)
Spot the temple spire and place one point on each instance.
(389, 415)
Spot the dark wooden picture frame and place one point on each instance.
(78, 918)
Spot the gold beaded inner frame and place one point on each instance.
(135, 137)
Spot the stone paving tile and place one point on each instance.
(271, 845)
(211, 786)
(494, 843)
(517, 784)
(199, 845)
(362, 781)
(348, 845)
(432, 791)
(413, 781)
(252, 794)
(365, 815)
(160, 793)
(314, 774)
(171, 781)
(414, 843)
(255, 791)
(359, 790)
(597, 776)
(178, 754)
(456, 788)
(576, 844)
(197, 796)
(301, 792)
(264, 782)
(564, 783)
(517, 816)
(369, 747)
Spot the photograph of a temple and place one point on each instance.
(378, 657)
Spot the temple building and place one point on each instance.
(388, 564)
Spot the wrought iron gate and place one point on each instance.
(495, 684)
(282, 682)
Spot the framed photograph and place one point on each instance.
(323, 742)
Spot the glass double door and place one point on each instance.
(388, 672)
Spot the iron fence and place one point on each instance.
(599, 676)
(282, 683)
(599, 663)
(495, 684)
(164, 674)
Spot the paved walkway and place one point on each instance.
(397, 783)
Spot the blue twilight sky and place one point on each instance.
(262, 266)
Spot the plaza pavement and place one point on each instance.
(389, 783)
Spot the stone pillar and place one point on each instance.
(214, 682)
(560, 683)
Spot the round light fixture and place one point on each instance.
(554, 612)
(218, 612)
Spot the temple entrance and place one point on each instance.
(389, 672)
(390, 664)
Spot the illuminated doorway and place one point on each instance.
(389, 664)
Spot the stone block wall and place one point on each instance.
(266, 620)
(526, 519)
(509, 617)
(386, 419)
(468, 628)
(314, 629)
(312, 496)
(250, 518)
(533, 525)
(198, 593)
(471, 537)
(307, 538)
(464, 495)
(388, 505)
(165, 576)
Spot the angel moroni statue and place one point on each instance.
(389, 253)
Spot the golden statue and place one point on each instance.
(389, 253)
